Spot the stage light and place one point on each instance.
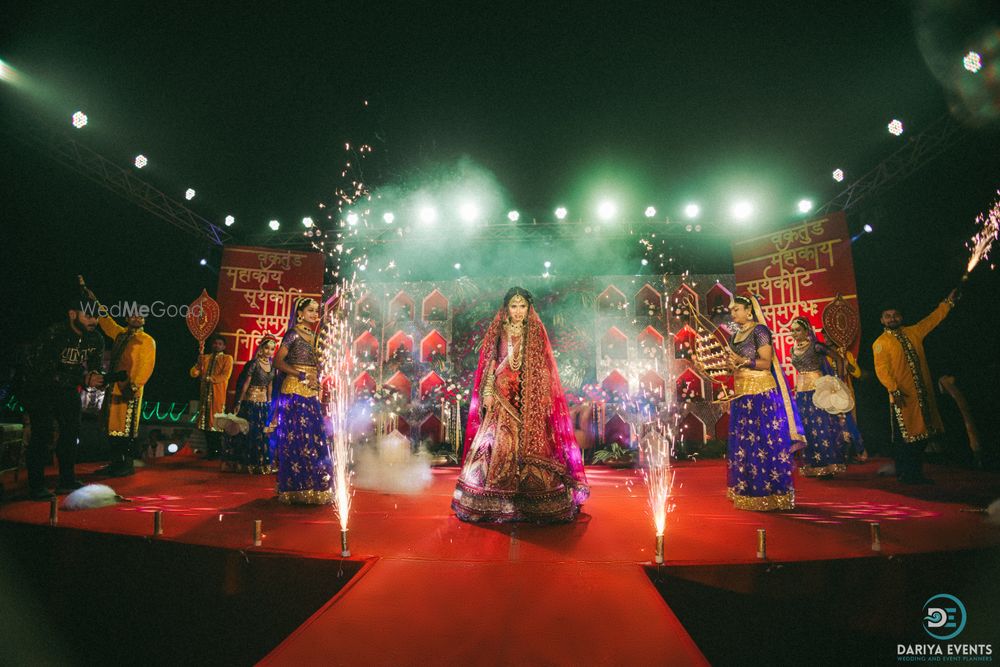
(363, 267)
(650, 212)
(458, 266)
(606, 210)
(742, 210)
(838, 175)
(79, 119)
(561, 213)
(428, 214)
(388, 217)
(140, 161)
(203, 261)
(692, 210)
(173, 448)
(189, 194)
(513, 216)
(697, 228)
(805, 206)
(469, 212)
(7, 73)
(274, 224)
(307, 222)
(868, 229)
(548, 264)
(687, 228)
(895, 127)
(352, 218)
(545, 275)
(230, 220)
(645, 261)
(972, 61)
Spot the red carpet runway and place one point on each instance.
(432, 590)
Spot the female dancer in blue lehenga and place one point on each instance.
(302, 452)
(828, 436)
(762, 421)
(250, 452)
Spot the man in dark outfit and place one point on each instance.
(64, 358)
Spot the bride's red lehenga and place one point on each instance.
(521, 460)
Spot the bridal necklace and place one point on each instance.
(513, 360)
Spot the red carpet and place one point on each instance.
(530, 594)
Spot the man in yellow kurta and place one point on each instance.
(214, 370)
(133, 355)
(901, 367)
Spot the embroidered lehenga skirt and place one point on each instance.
(511, 472)
(305, 471)
(758, 458)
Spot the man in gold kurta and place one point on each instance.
(214, 370)
(133, 354)
(901, 366)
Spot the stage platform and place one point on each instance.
(423, 588)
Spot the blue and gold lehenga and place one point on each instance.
(251, 452)
(826, 436)
(302, 453)
(762, 423)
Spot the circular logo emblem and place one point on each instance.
(944, 617)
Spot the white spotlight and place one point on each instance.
(692, 211)
(172, 448)
(307, 222)
(650, 212)
(896, 127)
(645, 261)
(428, 214)
(189, 194)
(548, 264)
(203, 261)
(388, 217)
(513, 216)
(606, 210)
(838, 175)
(561, 213)
(458, 266)
(140, 161)
(805, 206)
(469, 212)
(79, 119)
(868, 229)
(230, 220)
(972, 61)
(352, 218)
(742, 210)
(274, 225)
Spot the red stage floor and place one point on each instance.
(517, 594)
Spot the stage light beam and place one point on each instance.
(352, 218)
(388, 217)
(428, 214)
(468, 211)
(805, 205)
(692, 211)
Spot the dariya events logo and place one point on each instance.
(944, 620)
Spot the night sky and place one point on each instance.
(678, 100)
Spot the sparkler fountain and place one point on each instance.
(338, 362)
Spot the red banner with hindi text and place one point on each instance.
(798, 271)
(257, 290)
